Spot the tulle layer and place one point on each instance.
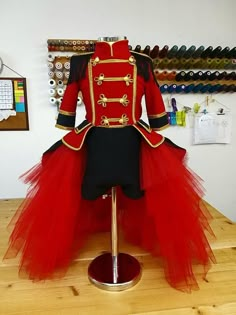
(170, 221)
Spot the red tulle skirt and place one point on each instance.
(170, 221)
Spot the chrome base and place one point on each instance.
(101, 272)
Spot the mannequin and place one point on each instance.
(159, 198)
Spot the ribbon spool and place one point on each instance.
(53, 100)
(52, 83)
(52, 92)
(60, 91)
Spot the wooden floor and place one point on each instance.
(74, 295)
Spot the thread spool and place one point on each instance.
(52, 92)
(60, 92)
(53, 100)
(51, 74)
(50, 58)
(58, 65)
(67, 65)
(180, 88)
(59, 74)
(164, 88)
(59, 100)
(52, 83)
(60, 83)
(50, 65)
(154, 52)
(79, 101)
(67, 74)
(171, 75)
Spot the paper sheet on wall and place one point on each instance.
(212, 128)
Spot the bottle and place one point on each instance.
(180, 76)
(223, 52)
(189, 52)
(181, 51)
(215, 52)
(163, 52)
(197, 53)
(172, 52)
(146, 50)
(154, 52)
(206, 53)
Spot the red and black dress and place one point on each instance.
(159, 198)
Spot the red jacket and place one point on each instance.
(113, 81)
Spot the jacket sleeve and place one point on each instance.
(156, 112)
(67, 111)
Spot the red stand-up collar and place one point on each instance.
(106, 50)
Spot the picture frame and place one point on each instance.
(13, 104)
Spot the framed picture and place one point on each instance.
(13, 104)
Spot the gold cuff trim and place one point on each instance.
(157, 115)
(161, 128)
(148, 141)
(77, 130)
(63, 112)
(63, 127)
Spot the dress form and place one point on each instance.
(114, 271)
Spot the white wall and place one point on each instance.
(25, 27)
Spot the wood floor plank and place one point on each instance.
(75, 295)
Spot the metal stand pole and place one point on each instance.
(114, 271)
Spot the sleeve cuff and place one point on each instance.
(158, 122)
(65, 121)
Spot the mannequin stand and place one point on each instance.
(114, 271)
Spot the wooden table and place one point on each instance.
(75, 295)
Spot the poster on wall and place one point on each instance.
(13, 104)
(212, 128)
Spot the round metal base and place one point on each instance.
(100, 272)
